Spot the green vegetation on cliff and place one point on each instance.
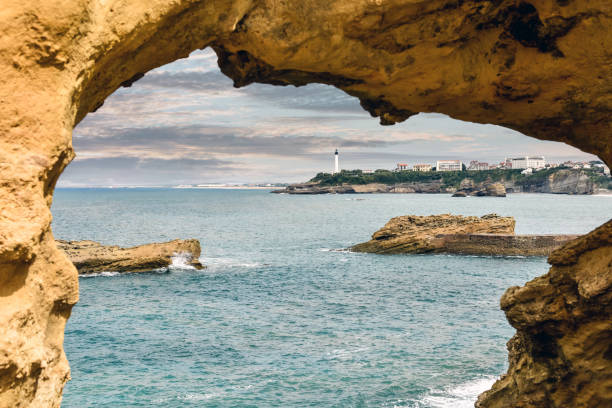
(448, 178)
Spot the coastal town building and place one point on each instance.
(421, 167)
(401, 167)
(477, 165)
(448, 165)
(526, 162)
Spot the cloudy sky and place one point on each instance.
(184, 123)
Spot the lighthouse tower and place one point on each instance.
(336, 162)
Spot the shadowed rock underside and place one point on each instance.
(541, 67)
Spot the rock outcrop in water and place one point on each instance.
(540, 67)
(93, 257)
(468, 187)
(456, 234)
(561, 353)
(416, 234)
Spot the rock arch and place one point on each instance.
(542, 67)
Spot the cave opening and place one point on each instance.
(543, 73)
(166, 133)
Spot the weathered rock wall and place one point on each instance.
(564, 182)
(540, 66)
(561, 354)
(500, 244)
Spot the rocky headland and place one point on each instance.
(93, 257)
(486, 235)
(434, 187)
(487, 183)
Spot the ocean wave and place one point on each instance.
(223, 263)
(180, 260)
(456, 396)
(105, 273)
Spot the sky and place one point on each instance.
(184, 123)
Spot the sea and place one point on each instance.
(284, 315)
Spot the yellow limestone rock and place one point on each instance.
(93, 257)
(541, 67)
(416, 234)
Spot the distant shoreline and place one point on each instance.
(170, 187)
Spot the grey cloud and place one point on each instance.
(201, 141)
(132, 170)
(314, 97)
(190, 80)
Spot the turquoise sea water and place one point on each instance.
(281, 318)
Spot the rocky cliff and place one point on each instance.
(561, 354)
(561, 182)
(538, 66)
(93, 257)
(417, 234)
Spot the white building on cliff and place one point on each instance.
(449, 165)
(526, 162)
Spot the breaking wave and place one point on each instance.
(457, 396)
(105, 273)
(181, 260)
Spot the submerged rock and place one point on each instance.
(93, 257)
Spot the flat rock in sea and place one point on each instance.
(93, 257)
(415, 234)
(490, 234)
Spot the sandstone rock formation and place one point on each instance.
(563, 182)
(416, 234)
(537, 66)
(93, 257)
(561, 353)
(467, 187)
(456, 234)
(499, 244)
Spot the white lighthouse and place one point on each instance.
(336, 162)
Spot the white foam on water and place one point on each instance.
(457, 396)
(198, 397)
(341, 250)
(105, 274)
(223, 263)
(181, 260)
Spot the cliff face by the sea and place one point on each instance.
(560, 182)
(561, 354)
